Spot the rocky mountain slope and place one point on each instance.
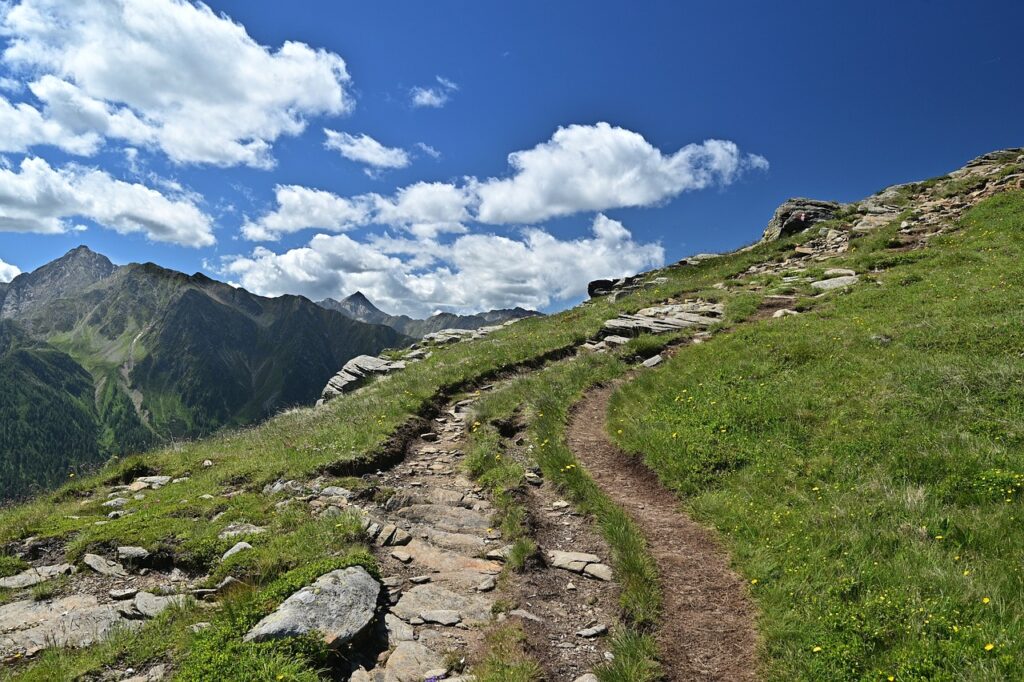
(836, 407)
(358, 307)
(172, 355)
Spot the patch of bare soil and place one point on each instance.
(707, 631)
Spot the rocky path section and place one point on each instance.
(708, 629)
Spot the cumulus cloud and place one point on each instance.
(22, 127)
(580, 169)
(474, 272)
(8, 271)
(299, 208)
(597, 167)
(39, 198)
(364, 149)
(165, 73)
(435, 96)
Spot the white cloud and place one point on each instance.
(580, 169)
(170, 74)
(474, 272)
(299, 208)
(39, 198)
(22, 126)
(365, 149)
(435, 96)
(597, 167)
(8, 271)
(426, 209)
(428, 150)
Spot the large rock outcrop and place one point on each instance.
(339, 606)
(355, 372)
(796, 215)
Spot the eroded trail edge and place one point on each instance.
(707, 631)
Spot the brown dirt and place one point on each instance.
(707, 632)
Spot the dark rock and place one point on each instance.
(796, 215)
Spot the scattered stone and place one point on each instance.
(589, 677)
(419, 579)
(599, 571)
(487, 584)
(123, 594)
(403, 557)
(117, 502)
(104, 566)
(835, 283)
(533, 479)
(134, 554)
(410, 661)
(840, 272)
(235, 530)
(199, 627)
(572, 561)
(339, 605)
(652, 361)
(784, 312)
(239, 547)
(34, 576)
(500, 554)
(336, 491)
(591, 632)
(441, 617)
(151, 606)
(154, 481)
(525, 615)
(398, 630)
(207, 463)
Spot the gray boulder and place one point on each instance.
(34, 576)
(339, 606)
(796, 215)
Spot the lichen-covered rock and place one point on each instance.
(339, 606)
(796, 215)
(27, 627)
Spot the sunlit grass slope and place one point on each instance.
(865, 462)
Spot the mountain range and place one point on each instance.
(103, 360)
(98, 359)
(358, 307)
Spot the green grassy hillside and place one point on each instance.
(865, 463)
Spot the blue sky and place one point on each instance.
(161, 131)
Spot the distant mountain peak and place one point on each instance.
(360, 299)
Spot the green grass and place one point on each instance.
(865, 461)
(507, 660)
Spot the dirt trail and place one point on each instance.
(708, 630)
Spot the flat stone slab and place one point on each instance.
(426, 556)
(835, 283)
(339, 605)
(27, 627)
(34, 576)
(410, 662)
(451, 519)
(104, 566)
(432, 599)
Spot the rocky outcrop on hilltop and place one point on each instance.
(796, 215)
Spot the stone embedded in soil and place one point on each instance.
(591, 632)
(239, 547)
(104, 566)
(572, 561)
(151, 605)
(339, 606)
(27, 627)
(652, 361)
(154, 481)
(589, 677)
(441, 616)
(122, 595)
(132, 553)
(34, 576)
(235, 530)
(432, 598)
(410, 661)
(599, 571)
(398, 630)
(443, 517)
(486, 585)
(835, 283)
